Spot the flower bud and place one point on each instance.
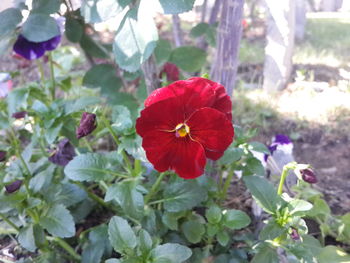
(308, 175)
(13, 187)
(19, 114)
(87, 125)
(63, 153)
(171, 71)
(2, 156)
(294, 234)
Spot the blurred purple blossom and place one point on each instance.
(13, 187)
(19, 114)
(2, 156)
(63, 153)
(87, 125)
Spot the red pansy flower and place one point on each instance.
(171, 71)
(185, 123)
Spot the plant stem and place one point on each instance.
(88, 145)
(283, 178)
(63, 244)
(52, 72)
(93, 196)
(41, 71)
(116, 140)
(8, 221)
(155, 187)
(227, 185)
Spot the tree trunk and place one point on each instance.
(224, 68)
(177, 32)
(150, 72)
(300, 19)
(280, 44)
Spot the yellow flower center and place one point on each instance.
(181, 130)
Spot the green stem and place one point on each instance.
(155, 187)
(41, 71)
(52, 72)
(227, 185)
(88, 145)
(93, 196)
(8, 221)
(283, 178)
(63, 244)
(116, 140)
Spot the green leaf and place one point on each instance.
(271, 230)
(254, 167)
(126, 195)
(46, 7)
(16, 99)
(145, 241)
(102, 76)
(88, 167)
(263, 192)
(9, 19)
(193, 231)
(121, 236)
(97, 244)
(133, 147)
(259, 147)
(333, 254)
(42, 179)
(170, 253)
(96, 11)
(26, 238)
(183, 195)
(162, 51)
(58, 221)
(135, 39)
(176, 7)
(266, 254)
(113, 260)
(80, 104)
(121, 118)
(125, 99)
(40, 27)
(74, 29)
(171, 219)
(299, 207)
(236, 219)
(188, 58)
(231, 155)
(320, 208)
(223, 238)
(213, 214)
(91, 47)
(199, 29)
(212, 230)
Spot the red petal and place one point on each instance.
(194, 93)
(212, 130)
(163, 115)
(183, 155)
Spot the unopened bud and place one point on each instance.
(2, 156)
(294, 234)
(13, 187)
(19, 115)
(308, 175)
(87, 125)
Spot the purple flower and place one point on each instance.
(63, 153)
(308, 175)
(13, 187)
(294, 234)
(34, 50)
(2, 156)
(87, 125)
(19, 115)
(281, 139)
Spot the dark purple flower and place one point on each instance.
(2, 156)
(13, 187)
(271, 148)
(308, 175)
(87, 125)
(34, 50)
(19, 115)
(281, 139)
(294, 234)
(63, 153)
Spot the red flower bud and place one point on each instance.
(63, 154)
(19, 115)
(87, 125)
(171, 71)
(294, 234)
(308, 175)
(2, 156)
(13, 187)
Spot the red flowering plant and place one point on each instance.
(185, 123)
